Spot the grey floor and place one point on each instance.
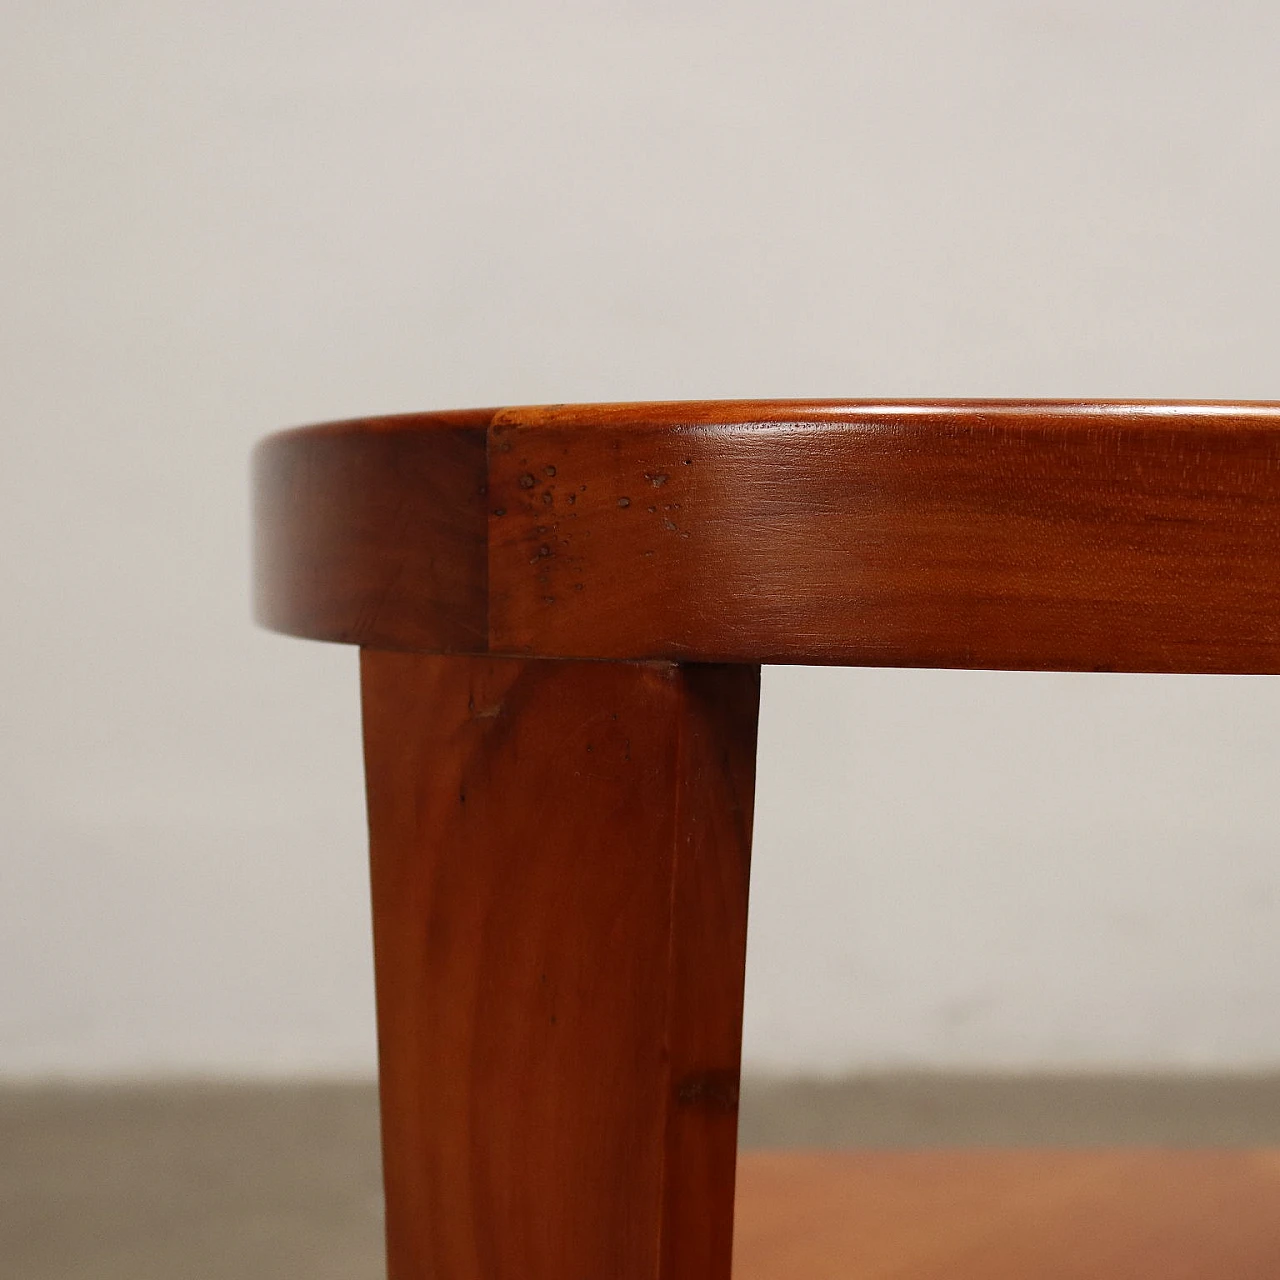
(263, 1182)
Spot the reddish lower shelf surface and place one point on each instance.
(1009, 1215)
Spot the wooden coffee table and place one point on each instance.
(562, 613)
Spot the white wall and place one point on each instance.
(219, 218)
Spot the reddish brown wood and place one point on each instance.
(1009, 1215)
(368, 527)
(1062, 535)
(560, 856)
(559, 849)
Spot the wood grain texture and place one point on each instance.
(560, 849)
(560, 862)
(1041, 535)
(375, 526)
(1009, 1215)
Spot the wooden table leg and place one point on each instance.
(560, 858)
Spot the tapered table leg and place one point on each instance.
(560, 858)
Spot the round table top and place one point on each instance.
(1042, 535)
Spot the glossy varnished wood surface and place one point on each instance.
(362, 531)
(1042, 535)
(560, 849)
(559, 867)
(1011, 1215)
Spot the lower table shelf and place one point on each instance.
(1008, 1215)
